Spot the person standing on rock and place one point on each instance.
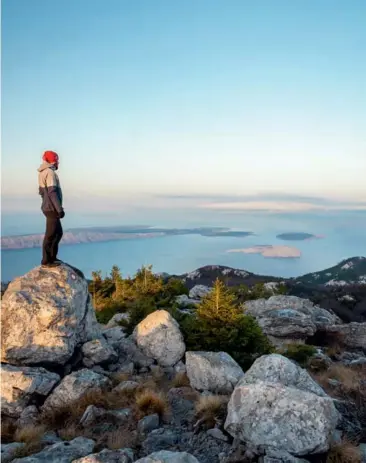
(51, 193)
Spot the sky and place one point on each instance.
(209, 105)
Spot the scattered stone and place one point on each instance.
(20, 385)
(28, 417)
(129, 352)
(108, 456)
(98, 352)
(8, 451)
(117, 319)
(199, 292)
(50, 438)
(279, 456)
(185, 301)
(124, 368)
(275, 368)
(216, 433)
(168, 457)
(213, 371)
(93, 415)
(114, 336)
(159, 439)
(126, 386)
(74, 386)
(180, 367)
(159, 337)
(62, 452)
(45, 315)
(148, 423)
(285, 418)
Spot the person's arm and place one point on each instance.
(51, 185)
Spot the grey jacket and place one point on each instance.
(49, 189)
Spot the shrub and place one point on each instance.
(149, 402)
(29, 434)
(180, 380)
(301, 353)
(344, 452)
(211, 410)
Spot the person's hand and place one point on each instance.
(62, 214)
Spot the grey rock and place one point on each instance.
(180, 367)
(148, 423)
(114, 336)
(126, 386)
(159, 439)
(199, 291)
(275, 368)
(216, 433)
(129, 352)
(168, 457)
(97, 352)
(117, 319)
(362, 448)
(351, 335)
(62, 452)
(50, 438)
(213, 371)
(8, 451)
(125, 367)
(74, 386)
(159, 337)
(45, 315)
(359, 361)
(93, 415)
(185, 301)
(28, 417)
(280, 456)
(281, 417)
(108, 456)
(19, 385)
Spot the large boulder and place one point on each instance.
(159, 337)
(289, 318)
(108, 456)
(351, 335)
(165, 456)
(213, 371)
(281, 417)
(199, 292)
(20, 385)
(62, 452)
(97, 352)
(74, 386)
(45, 315)
(275, 368)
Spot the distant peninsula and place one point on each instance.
(298, 236)
(275, 252)
(104, 234)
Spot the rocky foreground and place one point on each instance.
(77, 391)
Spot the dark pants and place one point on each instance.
(51, 240)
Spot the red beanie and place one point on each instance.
(50, 156)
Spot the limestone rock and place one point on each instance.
(45, 315)
(159, 337)
(199, 291)
(19, 385)
(285, 418)
(74, 386)
(98, 352)
(275, 368)
(108, 456)
(213, 371)
(289, 318)
(62, 452)
(351, 335)
(165, 456)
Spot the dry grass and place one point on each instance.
(8, 428)
(211, 410)
(123, 437)
(28, 449)
(70, 432)
(149, 401)
(344, 452)
(119, 377)
(349, 377)
(333, 350)
(180, 380)
(30, 434)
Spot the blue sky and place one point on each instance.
(185, 104)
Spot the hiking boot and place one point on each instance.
(51, 265)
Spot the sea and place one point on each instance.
(343, 236)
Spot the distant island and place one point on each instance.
(267, 250)
(298, 236)
(104, 234)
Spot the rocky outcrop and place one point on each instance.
(275, 368)
(289, 318)
(159, 337)
(199, 292)
(45, 315)
(98, 352)
(281, 417)
(213, 371)
(165, 456)
(21, 385)
(74, 386)
(351, 335)
(8, 451)
(62, 452)
(108, 456)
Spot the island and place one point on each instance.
(298, 236)
(270, 251)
